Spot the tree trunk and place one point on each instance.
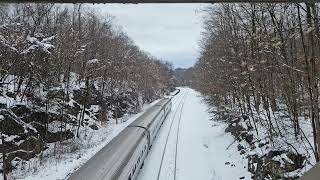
(4, 162)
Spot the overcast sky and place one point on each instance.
(167, 31)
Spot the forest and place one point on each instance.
(259, 64)
(69, 73)
(66, 71)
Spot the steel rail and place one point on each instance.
(177, 141)
(167, 138)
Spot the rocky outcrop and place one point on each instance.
(275, 164)
(25, 133)
(28, 129)
(10, 124)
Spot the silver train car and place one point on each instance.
(123, 157)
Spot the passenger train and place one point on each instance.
(123, 157)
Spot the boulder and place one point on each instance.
(240, 147)
(10, 125)
(248, 138)
(274, 153)
(10, 94)
(20, 110)
(51, 137)
(32, 144)
(73, 110)
(3, 106)
(235, 129)
(94, 127)
(92, 96)
(297, 160)
(22, 154)
(8, 146)
(57, 94)
(242, 152)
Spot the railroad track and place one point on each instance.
(178, 109)
(177, 140)
(175, 102)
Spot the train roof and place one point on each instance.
(312, 174)
(148, 117)
(163, 102)
(110, 160)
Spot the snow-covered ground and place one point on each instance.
(203, 148)
(54, 169)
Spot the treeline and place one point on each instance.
(183, 76)
(43, 44)
(65, 70)
(261, 58)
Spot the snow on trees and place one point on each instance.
(268, 77)
(67, 71)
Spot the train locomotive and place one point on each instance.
(123, 157)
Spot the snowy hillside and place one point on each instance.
(67, 85)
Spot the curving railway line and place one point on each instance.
(124, 156)
(177, 113)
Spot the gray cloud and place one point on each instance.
(167, 31)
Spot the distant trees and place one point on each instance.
(259, 56)
(183, 76)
